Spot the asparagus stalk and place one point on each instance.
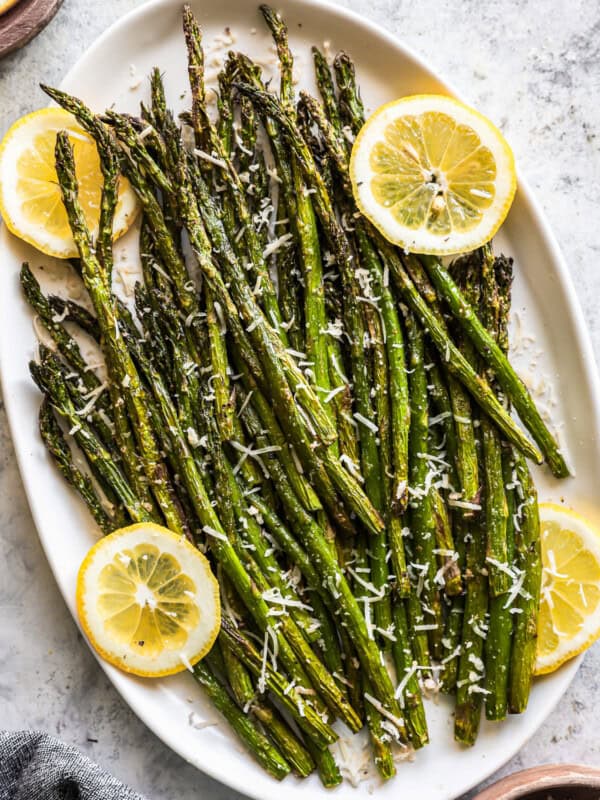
(351, 107)
(256, 742)
(329, 772)
(289, 284)
(251, 533)
(58, 448)
(341, 400)
(225, 408)
(529, 560)
(206, 137)
(470, 688)
(327, 89)
(251, 157)
(383, 377)
(460, 403)
(290, 288)
(327, 635)
(497, 522)
(120, 360)
(184, 354)
(65, 343)
(410, 694)
(450, 573)
(292, 749)
(496, 511)
(276, 438)
(86, 390)
(442, 405)
(455, 606)
(527, 542)
(379, 738)
(380, 549)
(369, 451)
(111, 173)
(426, 617)
(279, 732)
(290, 698)
(49, 379)
(491, 353)
(305, 225)
(71, 311)
(499, 641)
(109, 418)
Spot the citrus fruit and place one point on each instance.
(569, 619)
(148, 601)
(30, 197)
(434, 175)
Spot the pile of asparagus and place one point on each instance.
(326, 416)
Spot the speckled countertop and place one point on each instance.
(532, 67)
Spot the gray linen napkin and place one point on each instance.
(36, 766)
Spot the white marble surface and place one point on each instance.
(534, 67)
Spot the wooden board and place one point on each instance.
(23, 21)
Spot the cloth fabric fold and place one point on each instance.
(36, 766)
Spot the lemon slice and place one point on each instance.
(148, 601)
(569, 618)
(30, 198)
(432, 174)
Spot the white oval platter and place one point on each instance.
(553, 354)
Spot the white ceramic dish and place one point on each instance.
(544, 301)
